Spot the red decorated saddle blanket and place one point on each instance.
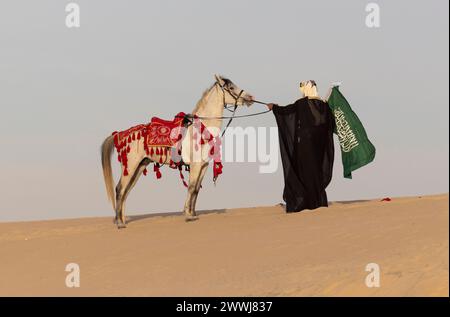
(165, 133)
(158, 133)
(160, 136)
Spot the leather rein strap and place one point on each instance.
(188, 118)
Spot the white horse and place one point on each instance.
(210, 111)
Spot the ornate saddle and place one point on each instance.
(161, 136)
(165, 133)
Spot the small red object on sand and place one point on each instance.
(386, 199)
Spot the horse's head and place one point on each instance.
(234, 95)
(309, 88)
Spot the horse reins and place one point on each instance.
(225, 106)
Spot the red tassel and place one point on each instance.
(134, 137)
(157, 151)
(182, 177)
(151, 151)
(139, 136)
(217, 169)
(128, 149)
(125, 172)
(157, 171)
(129, 139)
(119, 158)
(145, 172)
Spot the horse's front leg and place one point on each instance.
(195, 176)
(204, 168)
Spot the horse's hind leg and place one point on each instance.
(119, 201)
(124, 187)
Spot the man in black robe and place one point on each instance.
(307, 150)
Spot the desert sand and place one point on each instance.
(240, 252)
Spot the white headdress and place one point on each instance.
(309, 88)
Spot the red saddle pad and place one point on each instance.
(158, 137)
(164, 133)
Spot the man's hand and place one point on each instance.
(270, 105)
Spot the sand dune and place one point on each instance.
(255, 251)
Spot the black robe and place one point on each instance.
(305, 131)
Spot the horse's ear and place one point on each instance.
(219, 79)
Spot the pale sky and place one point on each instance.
(62, 91)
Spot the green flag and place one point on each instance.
(356, 148)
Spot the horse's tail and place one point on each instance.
(107, 151)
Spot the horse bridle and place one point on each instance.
(224, 89)
(188, 118)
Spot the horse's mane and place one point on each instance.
(202, 99)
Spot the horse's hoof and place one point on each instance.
(121, 225)
(189, 218)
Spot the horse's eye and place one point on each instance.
(232, 88)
